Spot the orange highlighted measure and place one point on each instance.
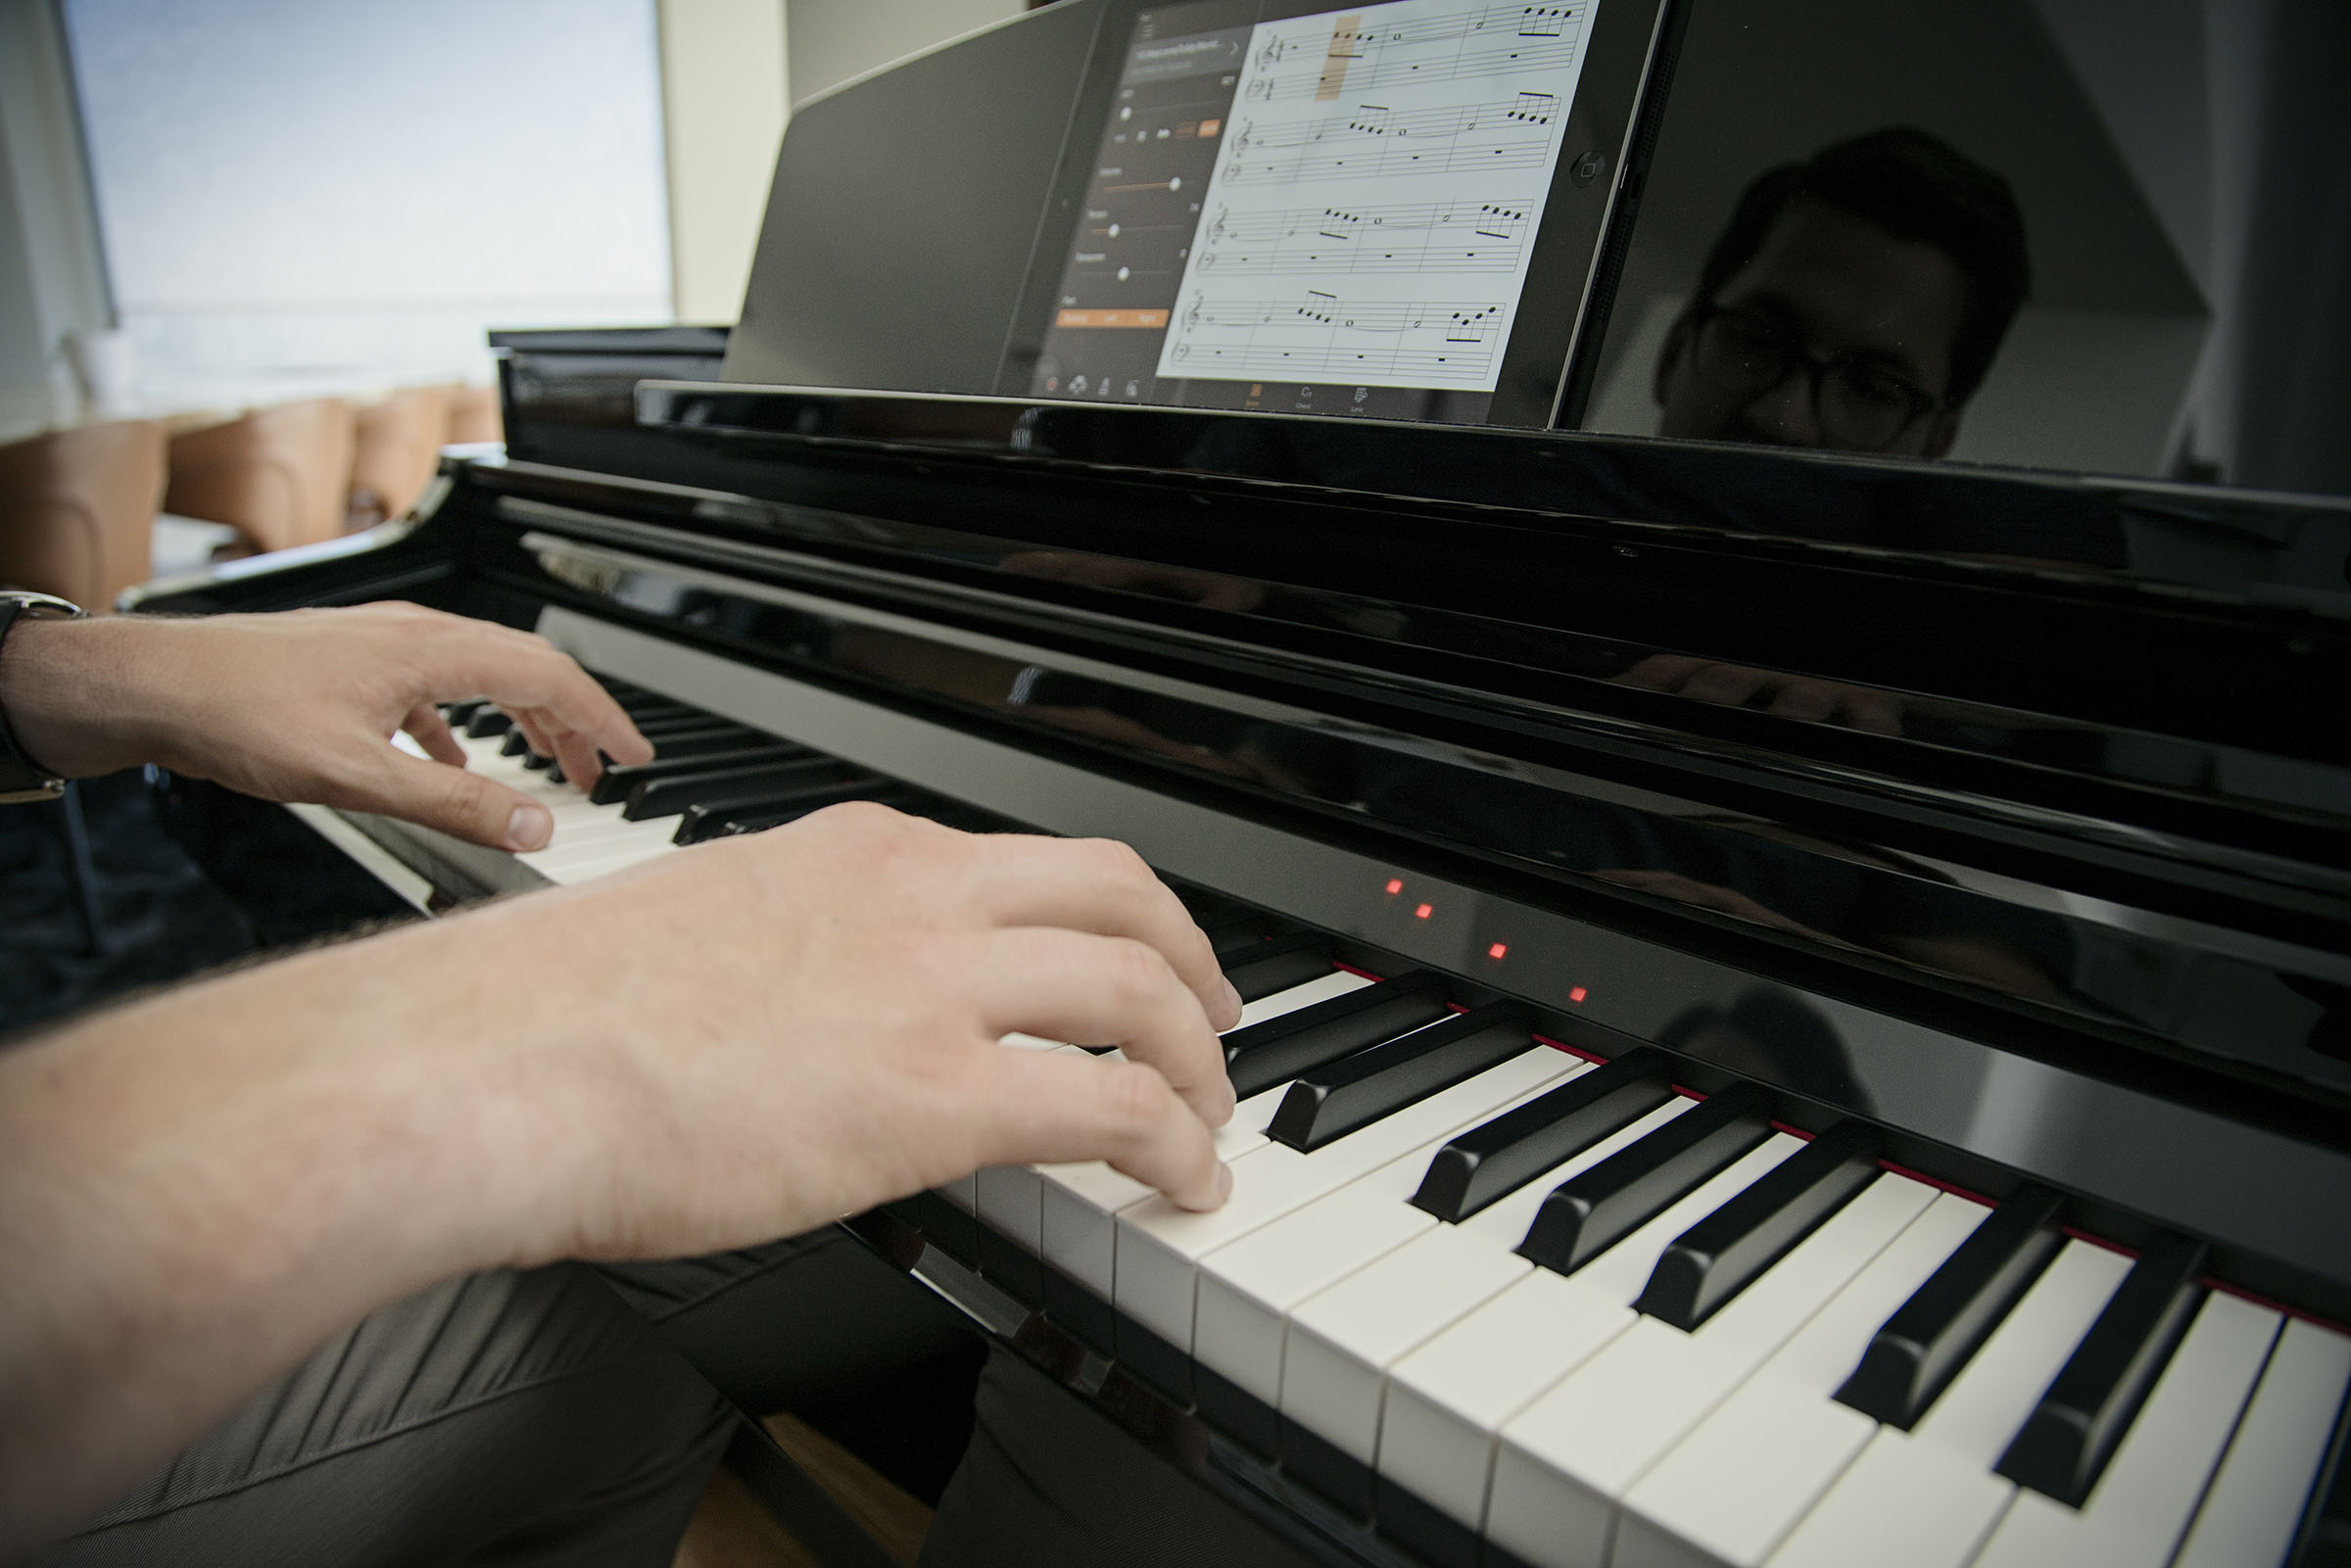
(1111, 318)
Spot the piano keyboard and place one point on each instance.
(1521, 1309)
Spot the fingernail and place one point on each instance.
(1232, 999)
(529, 827)
(1223, 1181)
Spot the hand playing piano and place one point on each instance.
(798, 1024)
(301, 707)
(739, 1041)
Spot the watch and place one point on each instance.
(20, 778)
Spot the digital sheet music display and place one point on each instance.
(1317, 210)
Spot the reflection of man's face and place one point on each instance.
(1842, 289)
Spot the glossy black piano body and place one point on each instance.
(1262, 675)
(2003, 813)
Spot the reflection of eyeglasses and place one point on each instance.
(1860, 405)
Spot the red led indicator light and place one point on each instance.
(1423, 912)
(1576, 995)
(1395, 884)
(1497, 950)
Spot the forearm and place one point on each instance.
(196, 1190)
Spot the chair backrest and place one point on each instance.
(77, 509)
(281, 475)
(399, 446)
(473, 415)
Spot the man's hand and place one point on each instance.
(303, 706)
(731, 1043)
(767, 1033)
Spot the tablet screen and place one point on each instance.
(1342, 211)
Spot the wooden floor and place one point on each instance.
(730, 1530)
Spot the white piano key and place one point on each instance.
(1240, 1315)
(2256, 1501)
(1338, 982)
(1446, 1398)
(1536, 1506)
(1727, 1493)
(1160, 1246)
(1247, 1289)
(1080, 1201)
(2137, 1513)
(1638, 1395)
(1929, 1495)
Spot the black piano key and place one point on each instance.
(743, 784)
(1262, 1055)
(2064, 1445)
(1719, 1257)
(487, 721)
(455, 714)
(1589, 1213)
(701, 823)
(1276, 965)
(1231, 936)
(514, 744)
(639, 703)
(1931, 1336)
(692, 757)
(684, 725)
(1355, 1091)
(2323, 1539)
(1497, 1157)
(901, 796)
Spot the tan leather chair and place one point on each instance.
(399, 446)
(78, 510)
(474, 416)
(280, 475)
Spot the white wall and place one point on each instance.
(723, 108)
(833, 40)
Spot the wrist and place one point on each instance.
(66, 688)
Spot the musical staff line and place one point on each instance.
(1392, 237)
(1317, 333)
(1485, 41)
(1372, 140)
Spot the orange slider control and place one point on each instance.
(1111, 318)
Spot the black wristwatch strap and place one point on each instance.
(20, 778)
